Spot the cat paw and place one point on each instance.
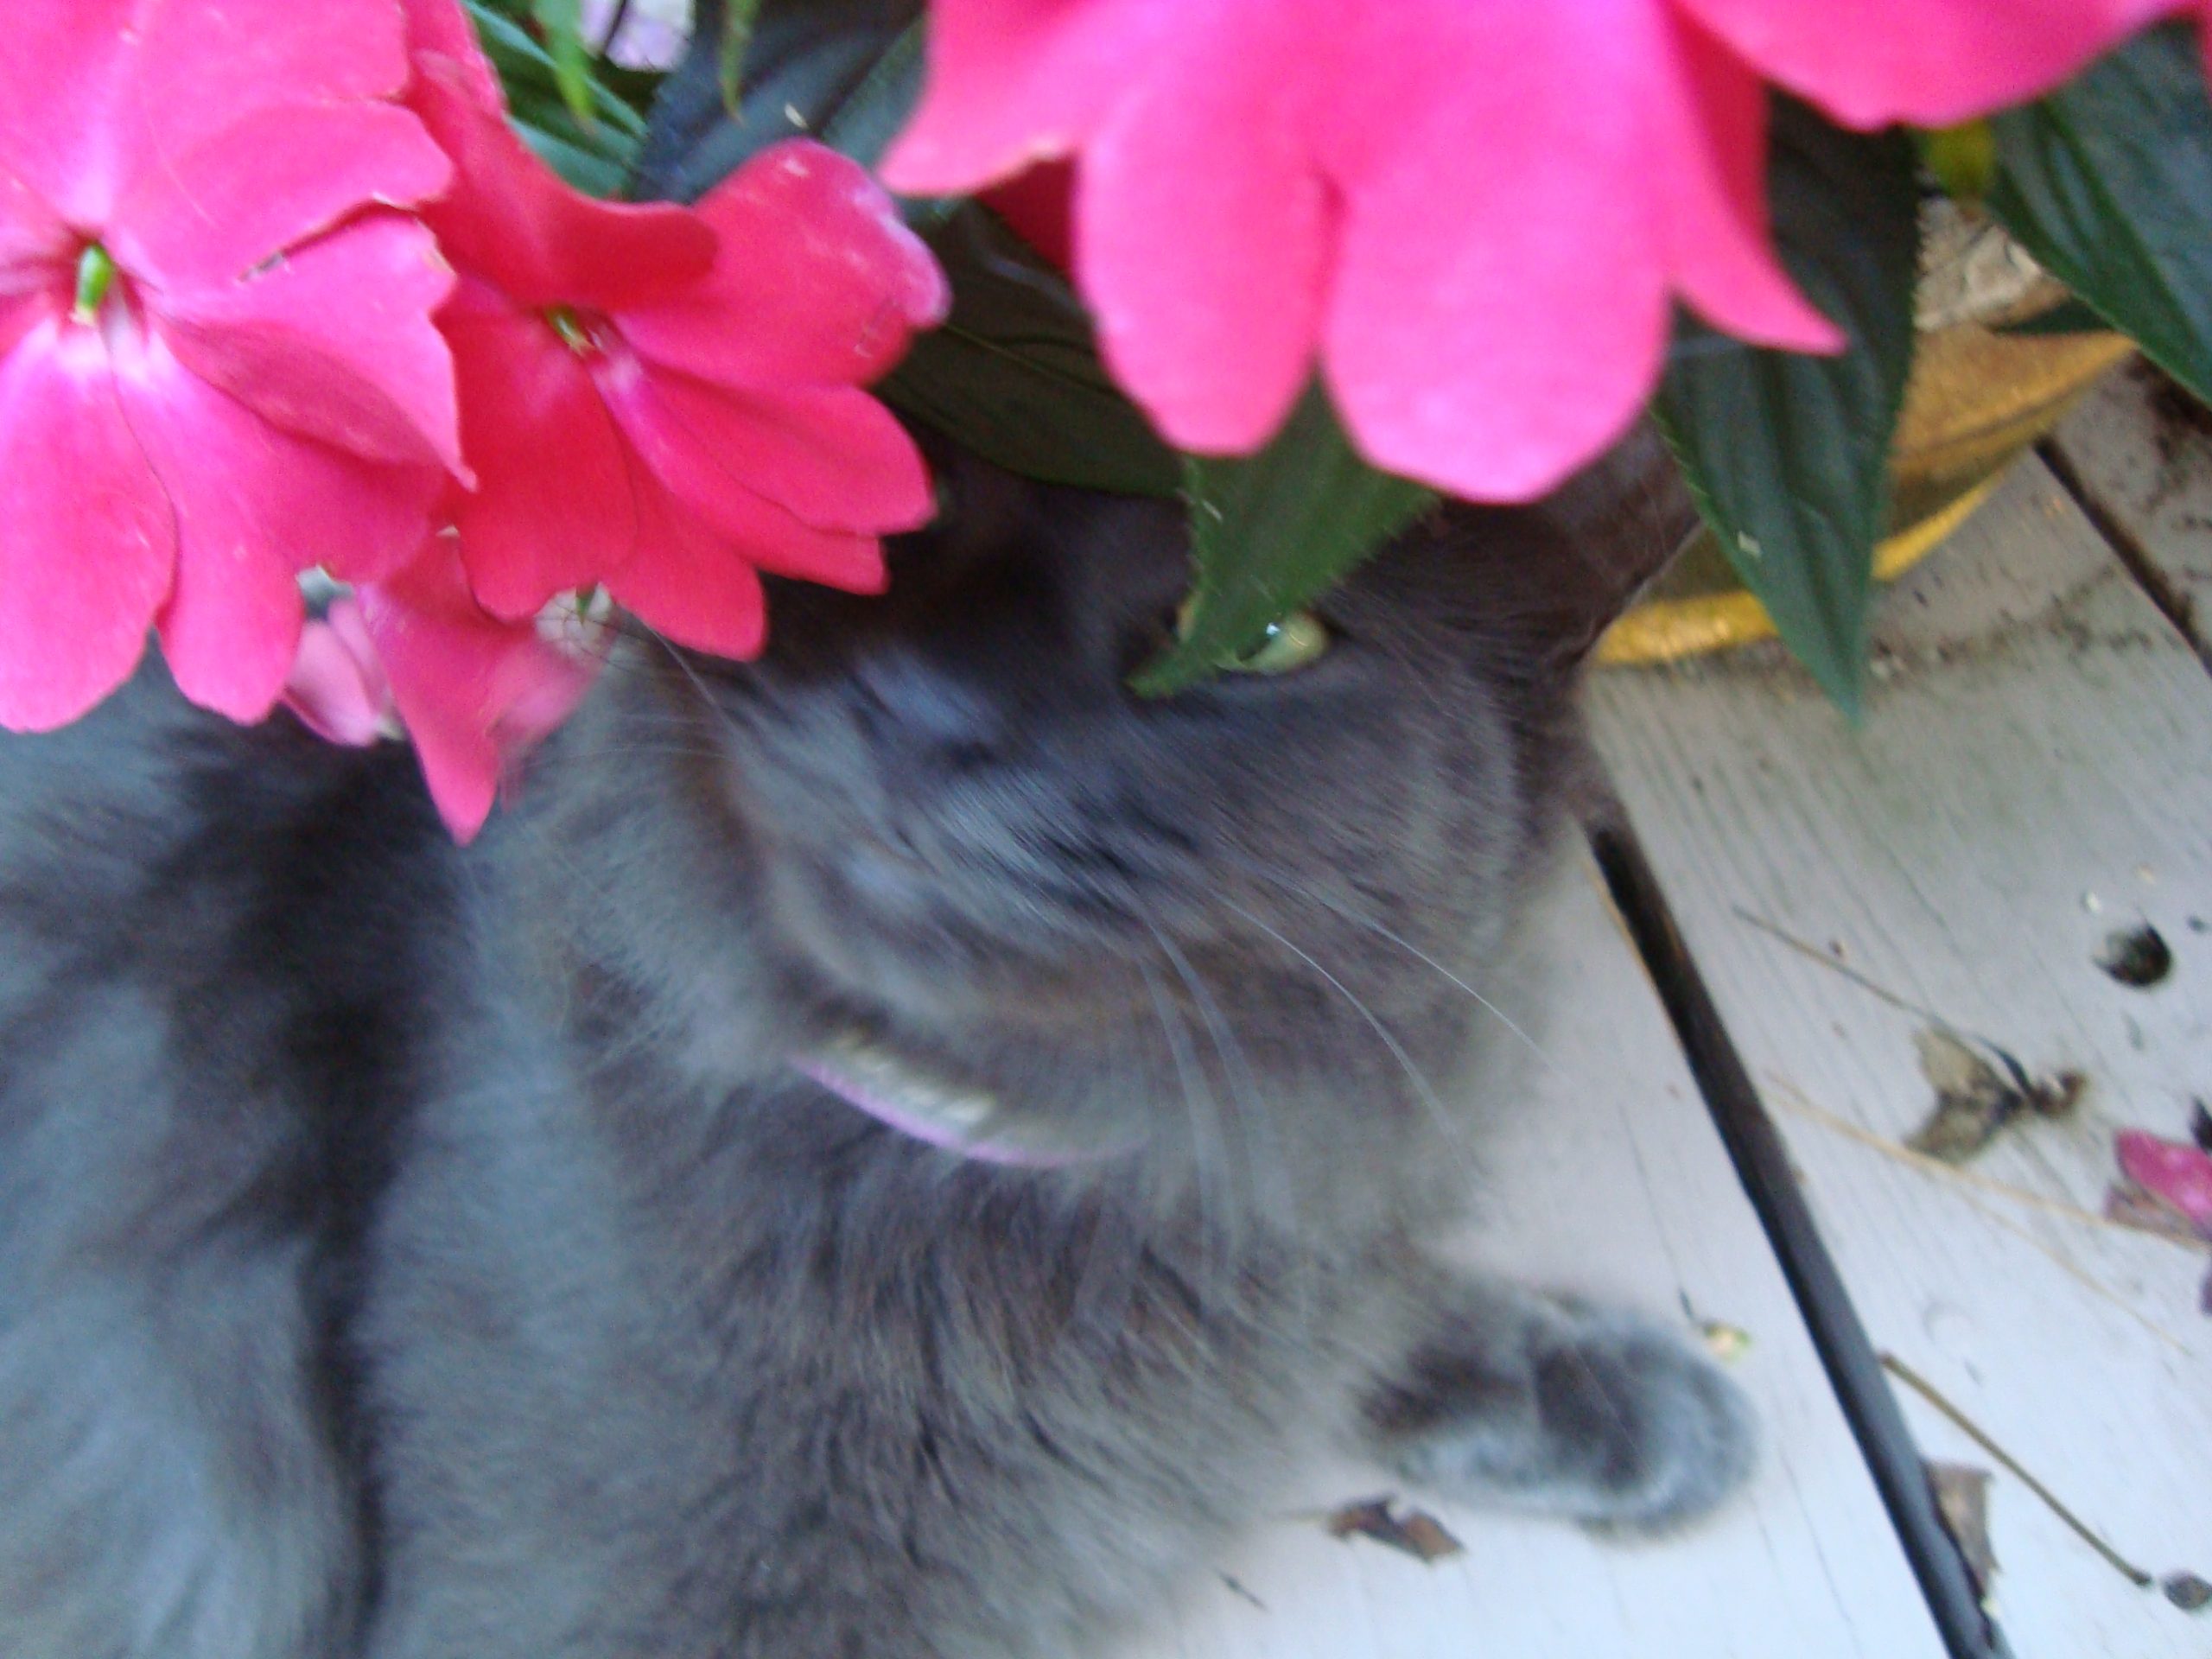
(1559, 1409)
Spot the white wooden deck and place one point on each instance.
(2035, 771)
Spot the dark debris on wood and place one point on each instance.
(2137, 956)
(1962, 1502)
(1413, 1532)
(2186, 1592)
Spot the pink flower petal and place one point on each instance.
(474, 692)
(832, 456)
(441, 29)
(1014, 81)
(337, 687)
(703, 499)
(1719, 248)
(686, 585)
(511, 221)
(23, 313)
(1494, 325)
(334, 342)
(196, 69)
(1928, 62)
(269, 181)
(1040, 206)
(86, 539)
(1478, 216)
(816, 281)
(1206, 274)
(254, 506)
(2180, 1174)
(552, 508)
(60, 79)
(35, 246)
(230, 630)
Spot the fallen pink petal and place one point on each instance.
(2174, 1172)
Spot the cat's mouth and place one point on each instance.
(927, 1102)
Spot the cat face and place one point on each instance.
(975, 856)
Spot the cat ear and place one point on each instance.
(1612, 528)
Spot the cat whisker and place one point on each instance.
(1454, 1133)
(1274, 1193)
(1359, 919)
(1202, 1120)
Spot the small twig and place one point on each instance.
(1236, 1589)
(1795, 1100)
(1966, 1425)
(2088, 1281)
(1805, 948)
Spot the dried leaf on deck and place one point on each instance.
(1414, 1532)
(1976, 1098)
(1962, 1500)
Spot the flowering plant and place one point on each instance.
(489, 327)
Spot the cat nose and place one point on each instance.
(899, 686)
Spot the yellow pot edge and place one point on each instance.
(1667, 630)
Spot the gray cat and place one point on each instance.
(890, 1151)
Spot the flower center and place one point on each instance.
(95, 275)
(571, 328)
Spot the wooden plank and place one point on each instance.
(1611, 1183)
(2138, 451)
(2035, 770)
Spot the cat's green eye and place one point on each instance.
(1298, 641)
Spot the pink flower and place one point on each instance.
(1475, 216)
(2180, 1174)
(217, 361)
(475, 693)
(1931, 62)
(661, 399)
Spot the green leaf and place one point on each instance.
(2069, 316)
(1015, 375)
(1963, 159)
(2108, 182)
(804, 60)
(562, 23)
(1788, 455)
(595, 157)
(737, 33)
(878, 105)
(1273, 531)
(596, 172)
